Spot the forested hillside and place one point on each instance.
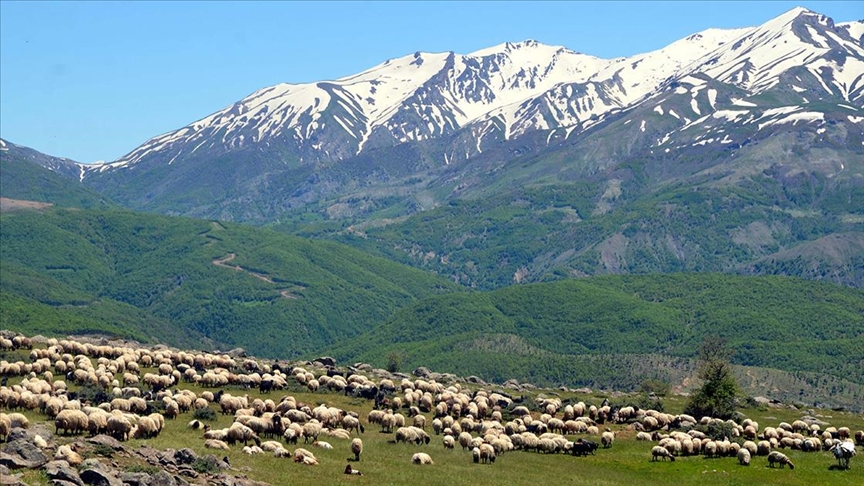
(191, 282)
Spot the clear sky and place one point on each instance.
(93, 80)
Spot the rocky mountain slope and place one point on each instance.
(760, 128)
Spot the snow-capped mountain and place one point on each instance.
(508, 90)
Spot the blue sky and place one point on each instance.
(93, 80)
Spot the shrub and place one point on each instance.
(206, 465)
(656, 387)
(205, 414)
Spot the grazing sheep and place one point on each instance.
(71, 422)
(779, 457)
(5, 426)
(356, 448)
(607, 439)
(119, 427)
(449, 442)
(661, 452)
(487, 454)
(216, 444)
(744, 457)
(18, 420)
(421, 458)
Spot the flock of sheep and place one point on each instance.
(486, 424)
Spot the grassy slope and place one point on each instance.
(153, 277)
(24, 180)
(384, 462)
(547, 333)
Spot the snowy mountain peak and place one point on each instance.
(509, 90)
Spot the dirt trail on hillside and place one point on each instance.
(223, 262)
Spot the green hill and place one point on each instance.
(24, 179)
(587, 331)
(191, 282)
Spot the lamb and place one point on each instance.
(216, 444)
(475, 453)
(779, 457)
(661, 452)
(39, 442)
(421, 458)
(356, 448)
(744, 457)
(252, 450)
(71, 422)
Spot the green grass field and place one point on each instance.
(384, 462)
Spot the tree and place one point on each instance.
(394, 361)
(718, 394)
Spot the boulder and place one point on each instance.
(62, 471)
(137, 478)
(422, 372)
(100, 477)
(185, 456)
(106, 440)
(22, 453)
(326, 361)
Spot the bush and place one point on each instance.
(656, 387)
(206, 465)
(394, 361)
(205, 414)
(103, 450)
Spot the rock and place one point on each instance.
(162, 478)
(762, 400)
(583, 390)
(106, 440)
(60, 482)
(512, 383)
(474, 379)
(363, 366)
(28, 455)
(237, 353)
(99, 477)
(422, 372)
(185, 456)
(61, 470)
(138, 478)
(11, 480)
(326, 361)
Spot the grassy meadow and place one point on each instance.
(385, 462)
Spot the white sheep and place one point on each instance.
(68, 454)
(216, 444)
(779, 457)
(744, 457)
(661, 452)
(71, 422)
(356, 448)
(607, 439)
(421, 458)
